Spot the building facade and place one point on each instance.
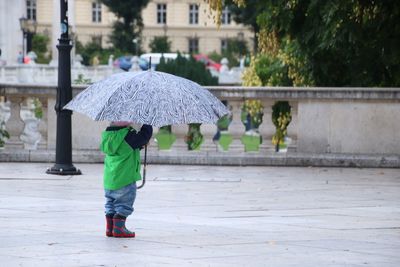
(188, 24)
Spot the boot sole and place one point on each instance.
(124, 236)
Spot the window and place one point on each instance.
(193, 45)
(31, 9)
(96, 12)
(193, 14)
(162, 13)
(224, 45)
(226, 16)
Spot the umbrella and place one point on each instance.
(148, 97)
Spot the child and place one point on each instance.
(121, 144)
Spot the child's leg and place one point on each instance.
(123, 204)
(109, 206)
(124, 199)
(109, 211)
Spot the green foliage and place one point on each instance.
(335, 43)
(194, 138)
(224, 122)
(247, 15)
(39, 46)
(82, 80)
(250, 76)
(3, 134)
(165, 129)
(165, 138)
(272, 71)
(38, 108)
(129, 23)
(92, 49)
(160, 44)
(281, 117)
(189, 69)
(235, 50)
(215, 56)
(252, 113)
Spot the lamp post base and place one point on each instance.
(63, 169)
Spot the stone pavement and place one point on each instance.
(204, 216)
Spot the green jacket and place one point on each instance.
(121, 163)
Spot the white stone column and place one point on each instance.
(15, 124)
(236, 128)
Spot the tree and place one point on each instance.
(39, 46)
(344, 43)
(247, 15)
(235, 50)
(189, 69)
(129, 23)
(160, 44)
(332, 43)
(92, 49)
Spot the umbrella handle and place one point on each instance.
(144, 168)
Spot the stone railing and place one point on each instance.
(46, 74)
(324, 120)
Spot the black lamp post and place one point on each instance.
(63, 165)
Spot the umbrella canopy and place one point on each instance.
(148, 97)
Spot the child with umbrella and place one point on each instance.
(121, 145)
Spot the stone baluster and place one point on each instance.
(236, 127)
(15, 125)
(43, 123)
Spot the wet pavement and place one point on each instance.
(204, 216)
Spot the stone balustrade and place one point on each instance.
(46, 74)
(351, 121)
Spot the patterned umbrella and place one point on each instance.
(148, 97)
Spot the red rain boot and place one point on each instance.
(119, 229)
(109, 225)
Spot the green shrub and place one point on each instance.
(189, 69)
(160, 44)
(39, 46)
(92, 49)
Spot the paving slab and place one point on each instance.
(204, 216)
